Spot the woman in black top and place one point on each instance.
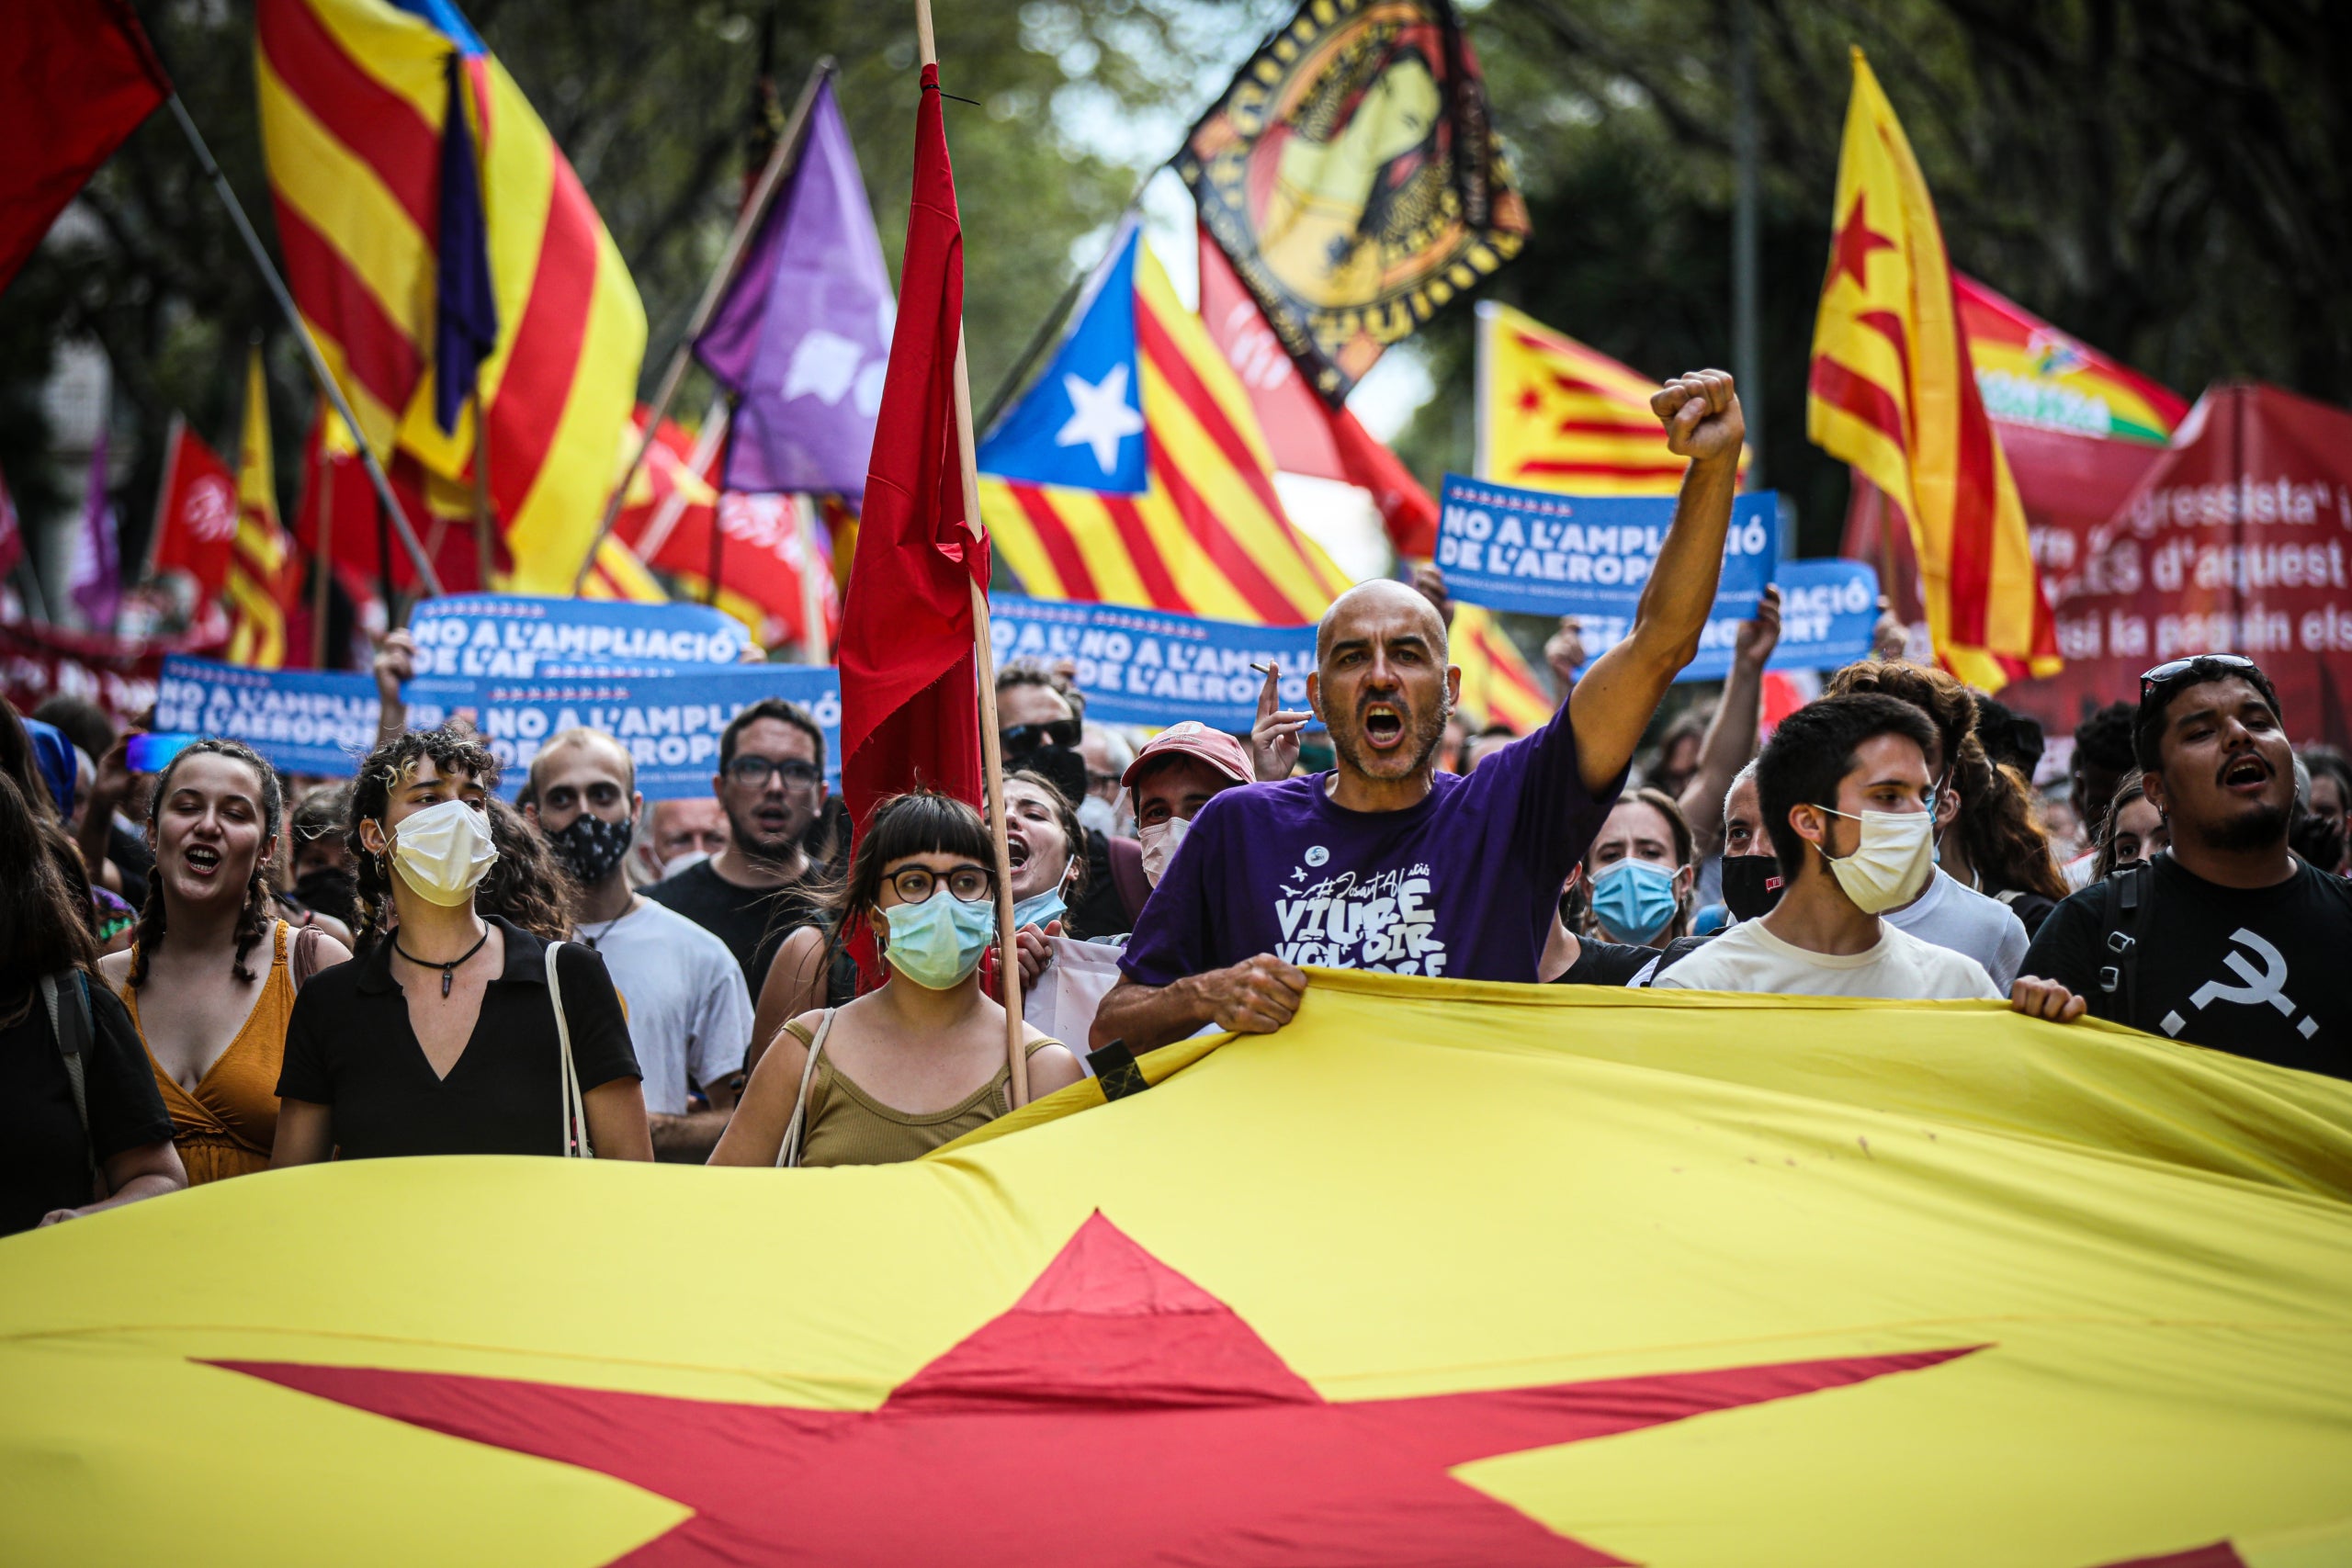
(442, 1039)
(48, 1145)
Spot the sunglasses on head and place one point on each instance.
(2166, 673)
(1020, 739)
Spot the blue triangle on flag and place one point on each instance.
(1081, 424)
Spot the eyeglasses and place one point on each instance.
(754, 770)
(1023, 738)
(2165, 673)
(967, 883)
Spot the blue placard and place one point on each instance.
(671, 723)
(514, 637)
(1828, 610)
(301, 721)
(1152, 668)
(1586, 556)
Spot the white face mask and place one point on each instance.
(677, 863)
(443, 851)
(1892, 864)
(1159, 841)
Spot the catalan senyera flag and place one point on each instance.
(355, 98)
(1442, 1272)
(1555, 414)
(1498, 685)
(1892, 390)
(261, 573)
(1133, 471)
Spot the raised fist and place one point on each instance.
(1700, 412)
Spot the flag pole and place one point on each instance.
(1008, 967)
(781, 162)
(812, 597)
(485, 548)
(322, 557)
(319, 371)
(673, 505)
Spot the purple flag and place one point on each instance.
(95, 581)
(803, 337)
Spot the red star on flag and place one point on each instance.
(1208, 1449)
(1849, 253)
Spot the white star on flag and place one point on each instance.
(1099, 416)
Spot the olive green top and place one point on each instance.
(846, 1125)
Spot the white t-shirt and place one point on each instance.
(1952, 914)
(689, 1017)
(1900, 967)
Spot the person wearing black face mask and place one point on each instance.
(689, 1016)
(324, 883)
(1751, 875)
(1040, 722)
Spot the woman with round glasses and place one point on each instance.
(919, 1061)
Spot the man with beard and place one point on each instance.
(2226, 939)
(1384, 862)
(688, 1018)
(757, 889)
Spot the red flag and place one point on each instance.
(909, 680)
(1307, 434)
(196, 513)
(76, 76)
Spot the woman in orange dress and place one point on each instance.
(210, 1008)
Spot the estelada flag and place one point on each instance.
(909, 666)
(1556, 414)
(1304, 434)
(76, 77)
(1442, 1272)
(1892, 390)
(1351, 175)
(196, 513)
(261, 575)
(1133, 471)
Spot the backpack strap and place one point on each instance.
(71, 1026)
(2124, 895)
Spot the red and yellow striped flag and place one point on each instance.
(1893, 392)
(1554, 414)
(261, 557)
(354, 98)
(1498, 685)
(1207, 535)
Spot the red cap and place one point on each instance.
(1194, 739)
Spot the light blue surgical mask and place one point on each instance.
(1039, 909)
(938, 943)
(1633, 900)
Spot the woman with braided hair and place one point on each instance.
(446, 1037)
(210, 977)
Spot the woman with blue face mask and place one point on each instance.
(1042, 837)
(1640, 870)
(919, 1061)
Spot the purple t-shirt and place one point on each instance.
(1464, 883)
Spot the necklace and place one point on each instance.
(592, 941)
(448, 970)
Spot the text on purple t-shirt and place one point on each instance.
(1464, 885)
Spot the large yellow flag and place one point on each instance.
(1442, 1273)
(1893, 391)
(260, 559)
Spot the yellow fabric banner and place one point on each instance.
(1443, 1273)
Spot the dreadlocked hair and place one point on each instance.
(257, 915)
(451, 749)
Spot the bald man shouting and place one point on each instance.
(1385, 862)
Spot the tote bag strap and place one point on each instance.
(574, 1108)
(788, 1155)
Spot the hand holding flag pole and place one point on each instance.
(781, 162)
(1008, 971)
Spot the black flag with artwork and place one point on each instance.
(1351, 175)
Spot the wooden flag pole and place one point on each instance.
(781, 162)
(1008, 968)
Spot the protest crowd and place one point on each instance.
(214, 968)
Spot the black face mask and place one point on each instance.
(591, 846)
(1065, 766)
(329, 890)
(1751, 886)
